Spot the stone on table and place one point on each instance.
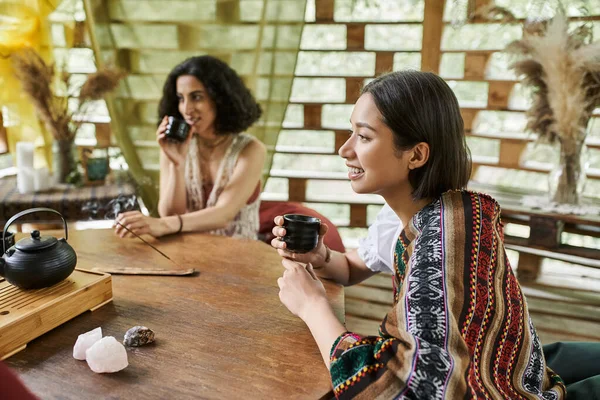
(85, 341)
(138, 336)
(107, 355)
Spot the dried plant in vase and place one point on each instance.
(562, 67)
(38, 80)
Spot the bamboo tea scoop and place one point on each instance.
(145, 271)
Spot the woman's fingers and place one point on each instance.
(311, 271)
(278, 231)
(323, 230)
(289, 265)
(278, 220)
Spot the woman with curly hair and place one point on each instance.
(211, 181)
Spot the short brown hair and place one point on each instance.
(421, 107)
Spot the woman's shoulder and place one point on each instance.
(463, 196)
(251, 146)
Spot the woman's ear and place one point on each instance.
(419, 156)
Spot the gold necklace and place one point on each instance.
(214, 143)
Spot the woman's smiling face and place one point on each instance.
(374, 163)
(196, 106)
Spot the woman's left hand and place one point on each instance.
(299, 288)
(139, 223)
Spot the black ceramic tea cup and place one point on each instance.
(177, 129)
(301, 232)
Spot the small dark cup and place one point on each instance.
(301, 232)
(177, 129)
(9, 240)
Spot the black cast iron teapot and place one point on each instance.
(37, 261)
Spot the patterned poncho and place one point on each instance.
(459, 327)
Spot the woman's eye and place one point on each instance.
(197, 97)
(350, 133)
(363, 138)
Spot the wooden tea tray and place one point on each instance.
(28, 314)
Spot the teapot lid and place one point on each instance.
(36, 242)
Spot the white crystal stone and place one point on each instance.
(85, 341)
(107, 355)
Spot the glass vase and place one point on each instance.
(63, 159)
(566, 180)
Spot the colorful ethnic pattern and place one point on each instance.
(459, 327)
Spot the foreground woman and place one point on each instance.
(460, 326)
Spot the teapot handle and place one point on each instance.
(30, 211)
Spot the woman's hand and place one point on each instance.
(175, 151)
(299, 288)
(316, 256)
(140, 224)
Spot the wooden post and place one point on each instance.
(473, 6)
(499, 93)
(355, 37)
(475, 65)
(312, 116)
(297, 189)
(469, 115)
(3, 136)
(324, 10)
(384, 62)
(340, 139)
(510, 153)
(358, 215)
(433, 26)
(545, 232)
(228, 11)
(529, 267)
(353, 86)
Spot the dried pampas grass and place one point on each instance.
(37, 79)
(563, 68)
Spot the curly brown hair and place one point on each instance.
(235, 106)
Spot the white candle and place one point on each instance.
(25, 182)
(24, 155)
(41, 179)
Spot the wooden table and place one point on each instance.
(222, 334)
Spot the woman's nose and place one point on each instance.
(188, 107)
(346, 150)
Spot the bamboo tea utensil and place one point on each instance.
(145, 271)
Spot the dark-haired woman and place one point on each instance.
(459, 327)
(211, 182)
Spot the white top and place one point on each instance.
(246, 222)
(377, 249)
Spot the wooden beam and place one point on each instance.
(324, 10)
(340, 139)
(433, 26)
(499, 94)
(545, 232)
(297, 189)
(529, 266)
(469, 115)
(473, 6)
(384, 62)
(312, 116)
(510, 153)
(358, 215)
(102, 135)
(353, 86)
(475, 65)
(3, 136)
(228, 11)
(355, 37)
